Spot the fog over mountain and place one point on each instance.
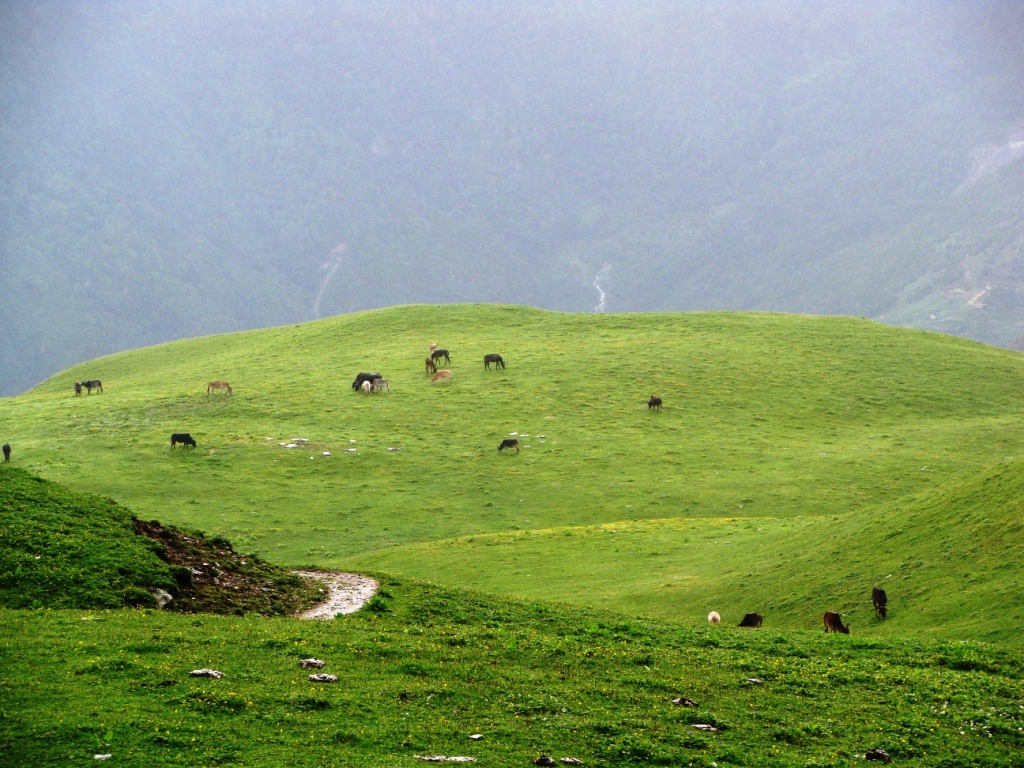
(169, 169)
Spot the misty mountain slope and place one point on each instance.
(169, 171)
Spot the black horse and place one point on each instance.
(509, 442)
(437, 354)
(881, 601)
(184, 438)
(7, 453)
(364, 377)
(91, 385)
(654, 402)
(496, 359)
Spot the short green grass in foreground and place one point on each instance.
(438, 665)
(774, 419)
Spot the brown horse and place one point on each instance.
(431, 368)
(218, 386)
(441, 376)
(78, 387)
(654, 402)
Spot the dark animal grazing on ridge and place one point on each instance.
(879, 598)
(509, 442)
(94, 384)
(437, 354)
(78, 387)
(834, 623)
(654, 402)
(184, 438)
(7, 453)
(496, 359)
(751, 620)
(358, 383)
(431, 368)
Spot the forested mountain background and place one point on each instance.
(169, 169)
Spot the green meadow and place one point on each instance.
(798, 460)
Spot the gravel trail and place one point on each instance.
(346, 593)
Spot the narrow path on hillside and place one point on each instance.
(346, 593)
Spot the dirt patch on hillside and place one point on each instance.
(346, 593)
(212, 578)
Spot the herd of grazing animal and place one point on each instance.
(833, 621)
(375, 382)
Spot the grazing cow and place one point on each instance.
(358, 383)
(437, 354)
(218, 386)
(751, 620)
(94, 384)
(7, 453)
(509, 442)
(654, 402)
(496, 359)
(714, 618)
(368, 386)
(441, 376)
(379, 384)
(834, 623)
(184, 438)
(880, 599)
(431, 368)
(433, 346)
(78, 387)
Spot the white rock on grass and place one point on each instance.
(314, 663)
(323, 679)
(101, 757)
(211, 673)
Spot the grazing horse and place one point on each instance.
(218, 386)
(7, 453)
(834, 623)
(751, 620)
(509, 442)
(78, 387)
(431, 368)
(714, 618)
(368, 386)
(496, 359)
(437, 354)
(880, 599)
(358, 383)
(379, 384)
(94, 384)
(184, 438)
(654, 402)
(441, 376)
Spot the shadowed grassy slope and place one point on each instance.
(949, 560)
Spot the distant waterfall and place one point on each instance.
(331, 267)
(601, 275)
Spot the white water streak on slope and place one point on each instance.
(601, 275)
(331, 267)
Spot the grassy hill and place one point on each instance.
(817, 430)
(531, 678)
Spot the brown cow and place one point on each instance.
(880, 599)
(431, 368)
(441, 376)
(751, 620)
(834, 623)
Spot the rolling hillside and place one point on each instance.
(810, 429)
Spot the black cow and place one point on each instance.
(751, 620)
(7, 453)
(358, 383)
(496, 359)
(509, 442)
(879, 598)
(437, 354)
(654, 402)
(91, 385)
(184, 438)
